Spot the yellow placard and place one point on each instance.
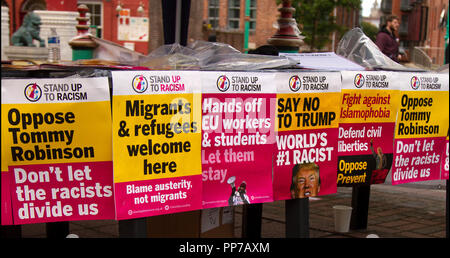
(363, 106)
(55, 133)
(422, 114)
(155, 136)
(307, 111)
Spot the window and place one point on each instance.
(403, 30)
(252, 15)
(213, 13)
(29, 5)
(386, 6)
(234, 11)
(95, 9)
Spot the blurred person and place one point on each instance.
(305, 180)
(380, 158)
(381, 165)
(238, 196)
(386, 40)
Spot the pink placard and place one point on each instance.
(355, 138)
(62, 192)
(237, 145)
(417, 159)
(365, 152)
(444, 166)
(6, 200)
(157, 196)
(316, 147)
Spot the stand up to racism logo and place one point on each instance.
(139, 84)
(294, 83)
(415, 83)
(223, 83)
(33, 92)
(359, 80)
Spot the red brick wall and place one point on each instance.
(435, 36)
(347, 18)
(266, 15)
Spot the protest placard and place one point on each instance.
(305, 160)
(156, 142)
(444, 166)
(421, 128)
(56, 135)
(368, 108)
(237, 137)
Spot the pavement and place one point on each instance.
(394, 212)
(401, 211)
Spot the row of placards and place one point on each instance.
(186, 140)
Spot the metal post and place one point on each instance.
(287, 41)
(133, 228)
(297, 218)
(57, 229)
(178, 22)
(251, 220)
(247, 25)
(447, 217)
(360, 205)
(175, 21)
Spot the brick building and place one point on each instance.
(349, 19)
(421, 25)
(228, 17)
(107, 19)
(436, 28)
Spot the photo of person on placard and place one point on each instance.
(305, 180)
(238, 196)
(381, 165)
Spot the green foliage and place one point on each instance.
(370, 30)
(316, 20)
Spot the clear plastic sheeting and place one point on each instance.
(205, 55)
(442, 69)
(247, 62)
(110, 51)
(206, 48)
(290, 25)
(171, 57)
(357, 47)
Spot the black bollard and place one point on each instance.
(447, 217)
(11, 231)
(133, 228)
(297, 218)
(360, 205)
(57, 229)
(175, 21)
(251, 220)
